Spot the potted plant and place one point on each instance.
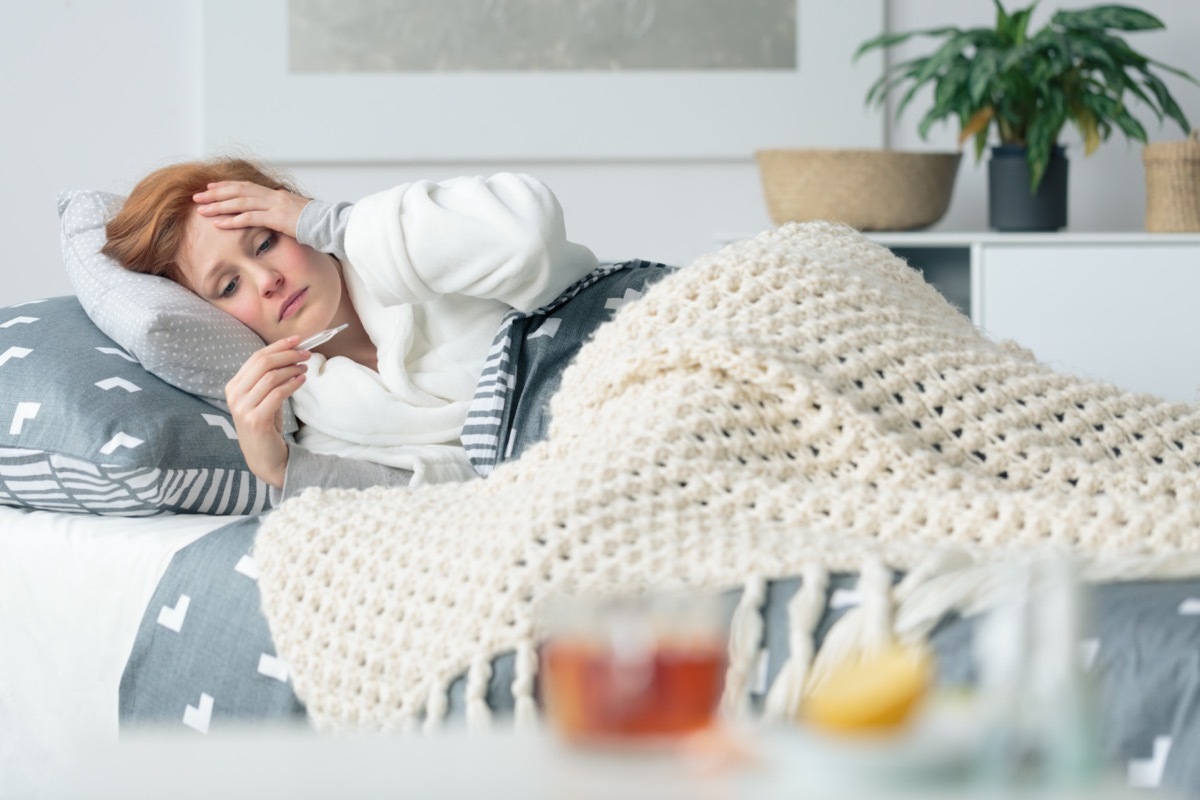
(1077, 68)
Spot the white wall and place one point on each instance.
(93, 92)
(96, 92)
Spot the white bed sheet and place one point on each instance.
(73, 589)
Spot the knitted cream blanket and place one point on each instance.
(793, 404)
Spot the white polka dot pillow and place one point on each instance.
(84, 428)
(173, 333)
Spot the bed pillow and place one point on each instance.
(84, 428)
(173, 333)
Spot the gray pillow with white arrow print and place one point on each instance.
(84, 428)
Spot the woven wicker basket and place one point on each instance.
(1173, 185)
(871, 190)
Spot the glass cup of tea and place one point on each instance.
(613, 669)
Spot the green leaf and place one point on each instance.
(1090, 52)
(933, 115)
(1110, 110)
(983, 73)
(1118, 50)
(980, 143)
(1019, 28)
(1088, 125)
(1130, 126)
(1043, 134)
(892, 78)
(1056, 49)
(1113, 17)
(1002, 19)
(1125, 82)
(936, 66)
(1018, 57)
(1173, 70)
(1114, 81)
(1103, 106)
(952, 83)
(887, 40)
(1166, 101)
(950, 97)
(1012, 28)
(1046, 68)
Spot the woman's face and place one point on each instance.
(269, 282)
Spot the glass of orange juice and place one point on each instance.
(632, 668)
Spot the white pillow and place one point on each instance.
(172, 332)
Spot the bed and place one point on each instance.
(91, 649)
(128, 520)
(74, 587)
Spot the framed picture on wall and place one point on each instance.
(337, 81)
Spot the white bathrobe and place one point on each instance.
(432, 270)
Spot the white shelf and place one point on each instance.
(1065, 238)
(968, 238)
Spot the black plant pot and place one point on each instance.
(1011, 204)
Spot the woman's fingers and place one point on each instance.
(260, 402)
(234, 204)
(240, 204)
(275, 398)
(277, 353)
(232, 190)
(229, 197)
(256, 395)
(267, 368)
(274, 356)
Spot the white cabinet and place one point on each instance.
(1122, 308)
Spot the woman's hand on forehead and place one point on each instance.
(242, 204)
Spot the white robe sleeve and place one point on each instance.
(498, 238)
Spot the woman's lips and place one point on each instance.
(292, 305)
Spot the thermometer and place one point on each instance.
(318, 339)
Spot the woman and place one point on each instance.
(421, 276)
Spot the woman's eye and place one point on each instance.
(266, 243)
(230, 288)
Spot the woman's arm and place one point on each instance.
(322, 226)
(256, 395)
(500, 238)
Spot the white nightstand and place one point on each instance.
(1117, 307)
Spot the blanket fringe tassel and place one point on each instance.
(479, 716)
(526, 667)
(745, 636)
(804, 614)
(437, 702)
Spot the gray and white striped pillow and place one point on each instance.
(84, 428)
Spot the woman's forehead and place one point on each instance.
(204, 247)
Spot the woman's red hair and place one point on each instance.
(147, 232)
